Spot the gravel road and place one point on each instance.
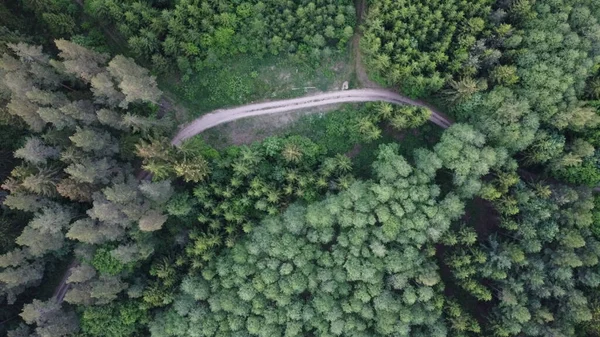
(347, 96)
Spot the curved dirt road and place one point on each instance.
(347, 96)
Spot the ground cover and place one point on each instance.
(242, 80)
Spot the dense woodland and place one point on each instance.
(365, 221)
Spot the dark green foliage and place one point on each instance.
(586, 174)
(226, 29)
(247, 183)
(59, 16)
(353, 264)
(538, 267)
(596, 217)
(114, 320)
(181, 205)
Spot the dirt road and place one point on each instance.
(347, 96)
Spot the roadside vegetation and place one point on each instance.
(245, 79)
(366, 220)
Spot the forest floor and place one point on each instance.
(361, 73)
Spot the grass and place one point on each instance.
(243, 79)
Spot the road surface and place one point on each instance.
(221, 116)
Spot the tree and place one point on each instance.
(110, 118)
(508, 121)
(76, 191)
(292, 152)
(463, 151)
(113, 320)
(52, 219)
(91, 171)
(106, 288)
(104, 90)
(462, 90)
(159, 192)
(134, 81)
(28, 112)
(505, 75)
(91, 140)
(89, 231)
(153, 220)
(194, 169)
(82, 273)
(40, 243)
(15, 280)
(346, 251)
(36, 152)
(80, 61)
(56, 118)
(73, 182)
(50, 319)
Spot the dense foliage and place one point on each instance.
(74, 182)
(196, 34)
(538, 265)
(362, 222)
(419, 45)
(359, 264)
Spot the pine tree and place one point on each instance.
(104, 90)
(36, 152)
(80, 61)
(134, 81)
(92, 140)
(153, 220)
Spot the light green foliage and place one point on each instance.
(105, 263)
(505, 119)
(354, 264)
(557, 57)
(407, 117)
(540, 58)
(463, 151)
(339, 130)
(422, 44)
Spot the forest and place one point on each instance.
(456, 194)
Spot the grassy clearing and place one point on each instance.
(243, 79)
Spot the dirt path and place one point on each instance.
(347, 96)
(361, 74)
(371, 92)
(63, 286)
